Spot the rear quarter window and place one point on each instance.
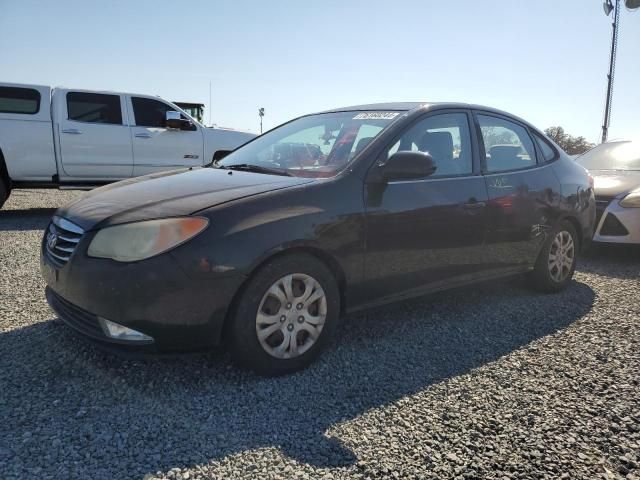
(25, 101)
(548, 152)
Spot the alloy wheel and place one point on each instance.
(561, 256)
(291, 316)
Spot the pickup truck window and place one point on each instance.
(149, 112)
(19, 100)
(94, 108)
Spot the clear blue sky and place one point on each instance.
(545, 60)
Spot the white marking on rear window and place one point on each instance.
(376, 116)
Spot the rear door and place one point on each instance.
(523, 192)
(429, 232)
(156, 147)
(95, 142)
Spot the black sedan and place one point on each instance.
(326, 214)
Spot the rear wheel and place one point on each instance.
(285, 316)
(557, 259)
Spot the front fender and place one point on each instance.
(244, 233)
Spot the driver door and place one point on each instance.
(423, 234)
(156, 147)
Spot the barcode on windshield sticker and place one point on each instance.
(376, 116)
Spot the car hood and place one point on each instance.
(611, 183)
(168, 194)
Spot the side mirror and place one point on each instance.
(173, 120)
(408, 165)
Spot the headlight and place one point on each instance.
(136, 241)
(631, 201)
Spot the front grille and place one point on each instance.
(613, 227)
(75, 317)
(61, 240)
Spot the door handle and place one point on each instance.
(73, 131)
(474, 205)
(143, 135)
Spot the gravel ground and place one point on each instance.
(491, 381)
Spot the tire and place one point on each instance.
(557, 260)
(284, 317)
(4, 192)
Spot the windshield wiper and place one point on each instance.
(248, 167)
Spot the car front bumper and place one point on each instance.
(618, 224)
(157, 297)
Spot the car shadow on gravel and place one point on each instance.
(27, 219)
(68, 407)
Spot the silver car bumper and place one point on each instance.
(618, 224)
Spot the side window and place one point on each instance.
(446, 137)
(149, 112)
(548, 153)
(19, 100)
(94, 108)
(507, 145)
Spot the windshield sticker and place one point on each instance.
(376, 116)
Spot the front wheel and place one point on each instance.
(556, 261)
(285, 316)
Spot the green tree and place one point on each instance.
(570, 144)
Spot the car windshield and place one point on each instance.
(612, 156)
(313, 146)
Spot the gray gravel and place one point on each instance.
(491, 381)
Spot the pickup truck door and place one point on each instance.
(156, 147)
(94, 136)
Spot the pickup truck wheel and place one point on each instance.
(285, 316)
(4, 193)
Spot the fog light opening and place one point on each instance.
(120, 332)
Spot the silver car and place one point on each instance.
(615, 167)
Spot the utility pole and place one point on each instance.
(210, 103)
(608, 6)
(261, 114)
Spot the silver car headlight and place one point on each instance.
(632, 200)
(136, 241)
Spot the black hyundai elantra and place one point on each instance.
(326, 214)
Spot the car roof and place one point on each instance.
(622, 140)
(403, 106)
(409, 106)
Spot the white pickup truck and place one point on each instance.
(62, 138)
